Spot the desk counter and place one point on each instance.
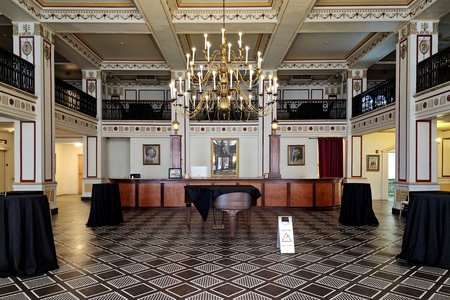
(274, 192)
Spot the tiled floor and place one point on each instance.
(154, 256)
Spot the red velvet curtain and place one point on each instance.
(330, 157)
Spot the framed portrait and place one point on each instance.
(151, 155)
(175, 173)
(373, 162)
(296, 155)
(224, 157)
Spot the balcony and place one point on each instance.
(73, 98)
(136, 110)
(433, 71)
(379, 96)
(325, 109)
(16, 71)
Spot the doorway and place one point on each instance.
(3, 186)
(80, 173)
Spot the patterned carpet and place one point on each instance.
(154, 256)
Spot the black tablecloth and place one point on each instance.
(203, 195)
(26, 237)
(106, 208)
(426, 239)
(356, 206)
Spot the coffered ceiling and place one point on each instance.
(143, 37)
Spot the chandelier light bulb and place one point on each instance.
(206, 39)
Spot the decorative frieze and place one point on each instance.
(216, 16)
(370, 45)
(92, 15)
(433, 101)
(75, 122)
(33, 29)
(380, 119)
(141, 129)
(135, 66)
(357, 14)
(15, 103)
(313, 129)
(248, 128)
(318, 65)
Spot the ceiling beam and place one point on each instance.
(292, 15)
(158, 19)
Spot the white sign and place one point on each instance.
(285, 235)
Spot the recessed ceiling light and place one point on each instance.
(121, 43)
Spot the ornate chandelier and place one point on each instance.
(224, 83)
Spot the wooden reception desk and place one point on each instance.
(275, 192)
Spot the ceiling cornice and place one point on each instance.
(314, 65)
(134, 66)
(371, 44)
(216, 16)
(81, 48)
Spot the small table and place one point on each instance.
(203, 195)
(426, 239)
(27, 247)
(356, 207)
(106, 208)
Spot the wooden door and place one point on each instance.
(80, 173)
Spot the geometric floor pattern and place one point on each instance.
(153, 255)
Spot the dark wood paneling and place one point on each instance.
(150, 194)
(275, 193)
(324, 194)
(302, 194)
(174, 194)
(127, 194)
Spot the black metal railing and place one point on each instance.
(433, 70)
(16, 71)
(379, 96)
(71, 97)
(311, 109)
(236, 112)
(136, 109)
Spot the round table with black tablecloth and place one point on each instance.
(27, 247)
(106, 209)
(356, 207)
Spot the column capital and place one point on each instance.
(356, 73)
(91, 74)
(33, 29)
(418, 27)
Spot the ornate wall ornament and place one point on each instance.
(354, 14)
(139, 84)
(424, 46)
(47, 52)
(313, 83)
(78, 46)
(300, 65)
(215, 16)
(134, 66)
(357, 86)
(419, 6)
(27, 48)
(403, 50)
(91, 87)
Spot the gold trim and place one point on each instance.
(357, 3)
(268, 3)
(44, 3)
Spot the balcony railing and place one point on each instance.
(311, 109)
(433, 70)
(136, 110)
(376, 97)
(16, 71)
(71, 97)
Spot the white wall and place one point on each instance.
(310, 169)
(136, 157)
(118, 152)
(200, 154)
(67, 168)
(375, 143)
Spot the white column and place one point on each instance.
(416, 152)
(356, 84)
(35, 150)
(94, 147)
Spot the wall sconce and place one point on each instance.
(274, 126)
(175, 126)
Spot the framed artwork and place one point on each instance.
(174, 173)
(151, 155)
(224, 157)
(296, 155)
(373, 162)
